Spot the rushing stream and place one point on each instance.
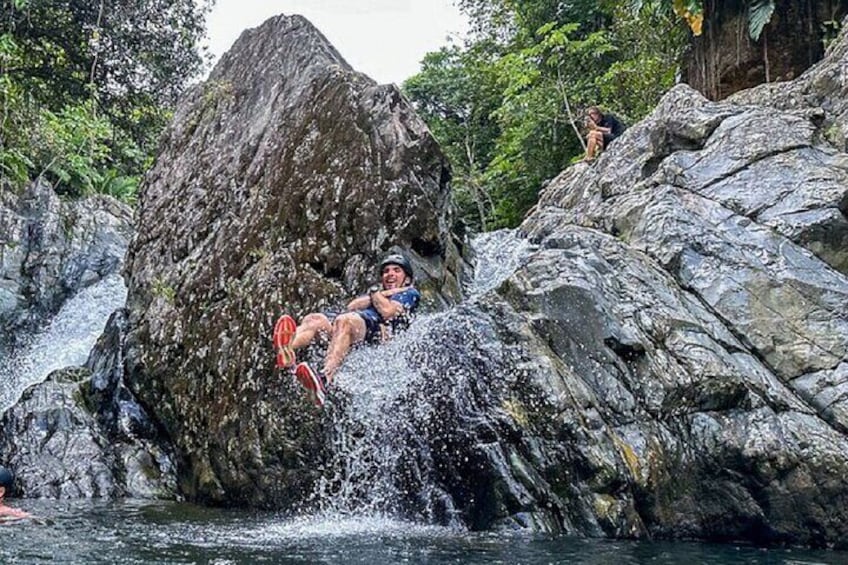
(66, 341)
(379, 466)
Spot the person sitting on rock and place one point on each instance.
(7, 480)
(370, 318)
(603, 128)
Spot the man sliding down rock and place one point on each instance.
(370, 318)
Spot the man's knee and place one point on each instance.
(345, 322)
(350, 324)
(315, 321)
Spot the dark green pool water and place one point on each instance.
(145, 532)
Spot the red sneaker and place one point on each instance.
(284, 331)
(312, 381)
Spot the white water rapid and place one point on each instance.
(65, 342)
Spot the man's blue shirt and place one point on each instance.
(409, 299)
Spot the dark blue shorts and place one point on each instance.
(372, 326)
(372, 329)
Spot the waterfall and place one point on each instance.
(497, 255)
(374, 436)
(382, 463)
(65, 342)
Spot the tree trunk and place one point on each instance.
(724, 59)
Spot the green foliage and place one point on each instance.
(87, 86)
(120, 186)
(456, 93)
(650, 44)
(71, 148)
(133, 53)
(829, 31)
(77, 150)
(15, 165)
(508, 107)
(537, 140)
(161, 289)
(759, 14)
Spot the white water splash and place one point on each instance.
(330, 526)
(498, 255)
(65, 342)
(382, 464)
(373, 440)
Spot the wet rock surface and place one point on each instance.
(50, 249)
(81, 434)
(638, 412)
(279, 184)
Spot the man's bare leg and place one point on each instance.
(599, 143)
(348, 330)
(308, 328)
(595, 145)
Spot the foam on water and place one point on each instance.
(333, 525)
(65, 342)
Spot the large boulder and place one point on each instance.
(278, 185)
(680, 335)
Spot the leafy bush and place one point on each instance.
(71, 148)
(507, 108)
(86, 88)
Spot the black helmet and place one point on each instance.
(6, 478)
(400, 261)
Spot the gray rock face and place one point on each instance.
(684, 327)
(81, 434)
(50, 249)
(280, 182)
(636, 411)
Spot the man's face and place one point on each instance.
(595, 116)
(392, 277)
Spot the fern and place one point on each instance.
(759, 14)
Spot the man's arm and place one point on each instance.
(13, 513)
(364, 301)
(387, 307)
(359, 303)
